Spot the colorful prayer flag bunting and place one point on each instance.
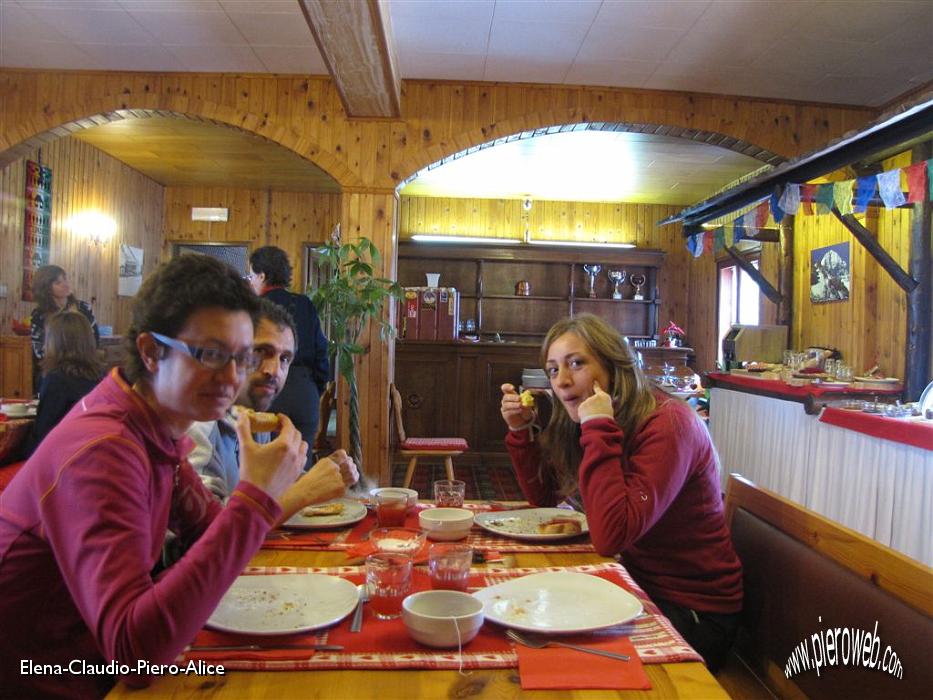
(790, 199)
(916, 182)
(889, 185)
(864, 190)
(824, 198)
(842, 196)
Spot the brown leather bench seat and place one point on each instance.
(806, 576)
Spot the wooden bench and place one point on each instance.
(811, 587)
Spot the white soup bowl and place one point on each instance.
(441, 618)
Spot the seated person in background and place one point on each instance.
(71, 367)
(82, 523)
(647, 473)
(216, 453)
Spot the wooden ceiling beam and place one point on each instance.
(355, 40)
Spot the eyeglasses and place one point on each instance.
(212, 358)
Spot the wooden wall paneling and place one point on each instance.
(83, 178)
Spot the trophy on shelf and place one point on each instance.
(592, 271)
(618, 278)
(638, 281)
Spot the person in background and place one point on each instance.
(71, 367)
(52, 293)
(270, 275)
(216, 453)
(83, 522)
(647, 474)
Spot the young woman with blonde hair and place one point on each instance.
(643, 468)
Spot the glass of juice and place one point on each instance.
(388, 577)
(391, 508)
(449, 565)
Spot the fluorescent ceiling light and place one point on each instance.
(427, 238)
(582, 244)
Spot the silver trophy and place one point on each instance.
(592, 271)
(638, 281)
(618, 278)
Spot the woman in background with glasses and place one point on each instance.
(82, 523)
(270, 275)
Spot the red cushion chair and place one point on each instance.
(415, 447)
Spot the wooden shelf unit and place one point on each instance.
(485, 276)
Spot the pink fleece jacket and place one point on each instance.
(659, 506)
(81, 528)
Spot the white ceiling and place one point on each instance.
(864, 52)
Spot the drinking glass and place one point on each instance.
(829, 366)
(391, 508)
(449, 566)
(449, 493)
(388, 578)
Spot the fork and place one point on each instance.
(539, 643)
(357, 624)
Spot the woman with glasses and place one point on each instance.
(270, 275)
(82, 523)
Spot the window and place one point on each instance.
(739, 299)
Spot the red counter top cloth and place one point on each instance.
(797, 392)
(567, 669)
(385, 644)
(917, 434)
(352, 539)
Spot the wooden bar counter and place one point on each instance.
(678, 680)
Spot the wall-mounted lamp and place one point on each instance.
(526, 205)
(93, 226)
(209, 213)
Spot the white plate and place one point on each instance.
(558, 602)
(523, 524)
(283, 603)
(353, 512)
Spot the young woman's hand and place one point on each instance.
(273, 467)
(514, 414)
(599, 405)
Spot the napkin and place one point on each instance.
(567, 669)
(209, 638)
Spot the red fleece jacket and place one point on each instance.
(659, 506)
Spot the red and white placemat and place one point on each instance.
(385, 644)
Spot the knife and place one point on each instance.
(264, 647)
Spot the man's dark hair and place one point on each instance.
(274, 263)
(176, 290)
(278, 316)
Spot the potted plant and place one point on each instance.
(349, 297)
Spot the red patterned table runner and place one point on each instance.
(779, 387)
(478, 538)
(917, 434)
(385, 644)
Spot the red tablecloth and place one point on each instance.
(797, 392)
(918, 434)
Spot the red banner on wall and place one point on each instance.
(37, 226)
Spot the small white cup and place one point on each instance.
(433, 278)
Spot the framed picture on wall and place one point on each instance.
(830, 273)
(236, 255)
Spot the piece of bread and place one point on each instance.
(323, 509)
(527, 399)
(560, 526)
(262, 422)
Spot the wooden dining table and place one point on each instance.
(674, 680)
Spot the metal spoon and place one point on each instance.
(539, 643)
